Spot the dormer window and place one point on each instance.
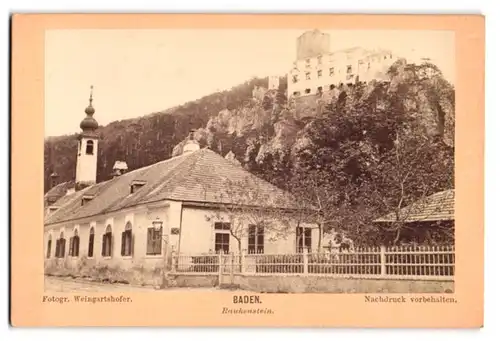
(51, 209)
(86, 199)
(51, 200)
(136, 185)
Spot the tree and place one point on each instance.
(375, 181)
(375, 151)
(249, 201)
(415, 168)
(317, 199)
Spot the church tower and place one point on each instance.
(86, 159)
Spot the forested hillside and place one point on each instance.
(369, 148)
(144, 140)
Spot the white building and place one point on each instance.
(111, 222)
(316, 69)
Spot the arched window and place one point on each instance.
(60, 246)
(49, 246)
(107, 242)
(127, 240)
(74, 244)
(90, 147)
(90, 252)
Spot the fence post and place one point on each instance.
(220, 267)
(382, 260)
(305, 260)
(242, 262)
(231, 265)
(175, 259)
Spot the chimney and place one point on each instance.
(232, 158)
(53, 179)
(119, 168)
(191, 144)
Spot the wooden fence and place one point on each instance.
(420, 262)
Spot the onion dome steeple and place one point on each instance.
(89, 124)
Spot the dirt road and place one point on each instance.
(54, 284)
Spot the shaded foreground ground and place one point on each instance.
(56, 284)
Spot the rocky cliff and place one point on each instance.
(260, 129)
(269, 128)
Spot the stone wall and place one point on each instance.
(99, 272)
(307, 284)
(193, 281)
(310, 105)
(311, 284)
(305, 106)
(263, 284)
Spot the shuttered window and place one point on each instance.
(154, 241)
(60, 247)
(90, 252)
(57, 248)
(107, 243)
(127, 241)
(49, 247)
(74, 246)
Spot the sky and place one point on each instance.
(138, 72)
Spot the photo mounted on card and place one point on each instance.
(227, 170)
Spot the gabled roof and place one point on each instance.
(199, 176)
(439, 206)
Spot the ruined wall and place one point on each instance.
(305, 106)
(312, 105)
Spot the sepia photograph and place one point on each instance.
(249, 160)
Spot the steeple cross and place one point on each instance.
(90, 99)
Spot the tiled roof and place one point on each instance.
(199, 176)
(57, 192)
(436, 207)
